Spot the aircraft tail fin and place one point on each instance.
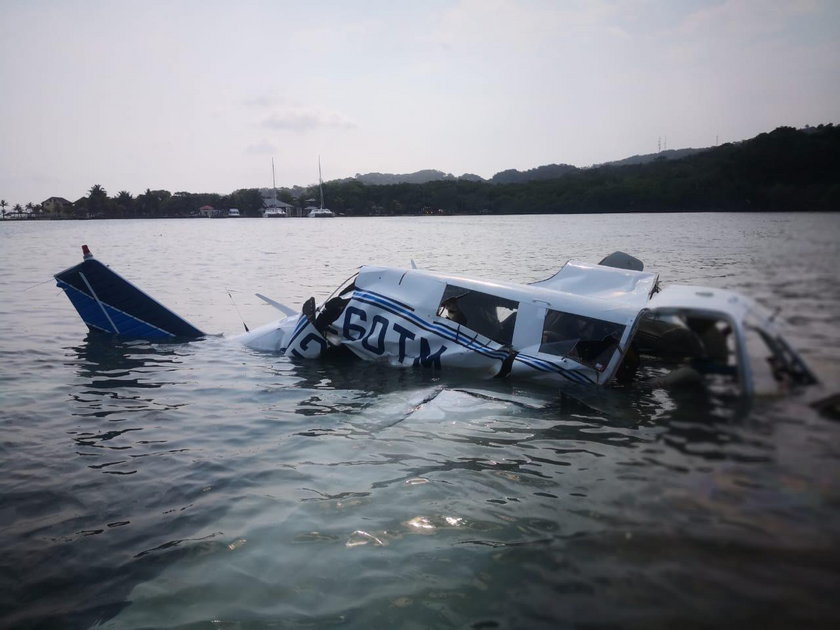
(108, 302)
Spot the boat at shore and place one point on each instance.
(321, 212)
(587, 325)
(274, 209)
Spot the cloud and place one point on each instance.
(261, 148)
(745, 20)
(509, 27)
(261, 101)
(304, 119)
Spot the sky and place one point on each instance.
(201, 95)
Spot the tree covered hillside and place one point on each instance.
(784, 170)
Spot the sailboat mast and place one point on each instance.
(273, 184)
(320, 182)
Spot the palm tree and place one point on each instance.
(18, 210)
(30, 207)
(3, 205)
(97, 201)
(125, 203)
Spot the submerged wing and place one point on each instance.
(108, 302)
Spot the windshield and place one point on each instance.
(489, 315)
(587, 340)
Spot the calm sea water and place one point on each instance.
(204, 485)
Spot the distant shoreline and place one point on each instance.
(385, 216)
(786, 170)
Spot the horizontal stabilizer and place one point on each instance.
(280, 307)
(108, 302)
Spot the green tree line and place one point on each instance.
(783, 170)
(162, 203)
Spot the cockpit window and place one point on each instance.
(678, 348)
(489, 315)
(587, 340)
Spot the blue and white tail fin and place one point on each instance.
(109, 303)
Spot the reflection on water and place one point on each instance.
(122, 362)
(115, 377)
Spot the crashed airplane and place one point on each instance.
(587, 325)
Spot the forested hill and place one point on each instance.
(509, 176)
(783, 170)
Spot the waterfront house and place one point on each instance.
(56, 207)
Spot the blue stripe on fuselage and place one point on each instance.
(394, 307)
(441, 330)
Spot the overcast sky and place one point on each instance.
(199, 95)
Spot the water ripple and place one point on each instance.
(203, 484)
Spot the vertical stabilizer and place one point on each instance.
(109, 303)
